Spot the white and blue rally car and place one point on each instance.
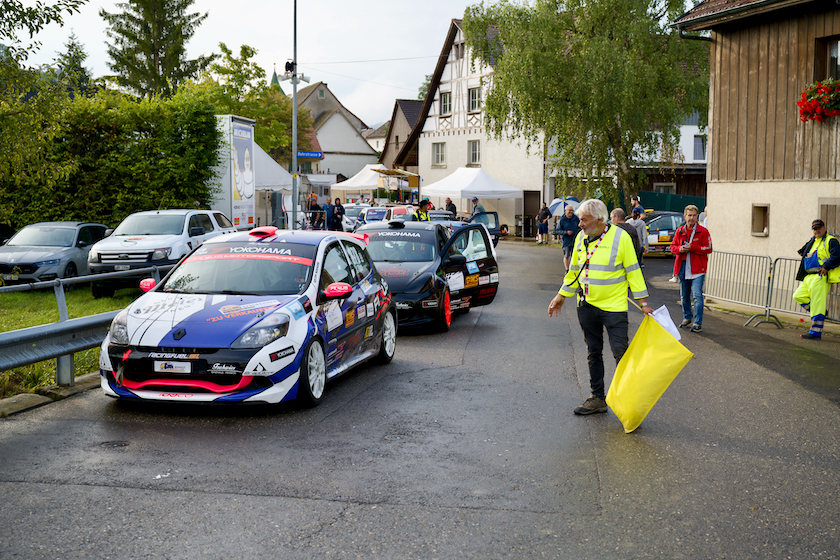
(262, 316)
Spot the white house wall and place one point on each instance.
(505, 161)
(345, 150)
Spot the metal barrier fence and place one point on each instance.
(758, 281)
(61, 340)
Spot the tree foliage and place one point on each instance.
(148, 54)
(32, 100)
(423, 90)
(127, 155)
(238, 86)
(71, 65)
(606, 81)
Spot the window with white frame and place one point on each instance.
(475, 99)
(445, 103)
(699, 148)
(474, 152)
(439, 153)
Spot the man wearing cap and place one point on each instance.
(636, 202)
(422, 213)
(450, 207)
(477, 207)
(813, 291)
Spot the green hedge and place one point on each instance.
(128, 155)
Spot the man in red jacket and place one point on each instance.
(691, 245)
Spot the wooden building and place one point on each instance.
(769, 174)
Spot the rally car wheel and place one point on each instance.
(445, 319)
(313, 374)
(388, 344)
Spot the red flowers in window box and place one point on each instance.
(820, 100)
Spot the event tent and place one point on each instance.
(270, 175)
(365, 180)
(469, 182)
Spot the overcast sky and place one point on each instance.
(350, 45)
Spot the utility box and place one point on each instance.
(236, 173)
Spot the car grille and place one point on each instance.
(125, 257)
(23, 268)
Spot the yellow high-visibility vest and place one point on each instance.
(613, 268)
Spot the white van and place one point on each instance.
(153, 238)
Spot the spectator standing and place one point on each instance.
(477, 207)
(617, 217)
(338, 216)
(636, 202)
(542, 224)
(422, 213)
(569, 225)
(692, 245)
(604, 265)
(641, 230)
(450, 207)
(813, 292)
(316, 214)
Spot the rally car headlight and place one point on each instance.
(119, 329)
(268, 330)
(419, 285)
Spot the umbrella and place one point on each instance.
(558, 205)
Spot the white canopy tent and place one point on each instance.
(270, 175)
(365, 181)
(469, 182)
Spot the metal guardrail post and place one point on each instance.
(65, 366)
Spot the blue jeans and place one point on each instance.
(689, 289)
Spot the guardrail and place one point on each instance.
(759, 281)
(61, 340)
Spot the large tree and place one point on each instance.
(605, 82)
(238, 86)
(149, 53)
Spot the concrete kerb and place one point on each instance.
(26, 401)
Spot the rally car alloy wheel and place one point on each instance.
(313, 374)
(388, 345)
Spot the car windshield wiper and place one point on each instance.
(236, 293)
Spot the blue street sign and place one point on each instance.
(311, 155)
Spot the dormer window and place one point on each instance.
(322, 94)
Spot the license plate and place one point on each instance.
(173, 367)
(122, 267)
(10, 277)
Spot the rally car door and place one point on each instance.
(344, 334)
(367, 308)
(471, 270)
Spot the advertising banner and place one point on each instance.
(242, 152)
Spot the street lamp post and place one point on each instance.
(291, 74)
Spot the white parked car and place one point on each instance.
(351, 213)
(153, 238)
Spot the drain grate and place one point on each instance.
(113, 444)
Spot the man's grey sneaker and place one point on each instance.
(696, 328)
(685, 324)
(592, 405)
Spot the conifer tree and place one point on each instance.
(148, 54)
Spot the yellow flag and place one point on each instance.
(652, 361)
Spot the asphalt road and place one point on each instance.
(465, 446)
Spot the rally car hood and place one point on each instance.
(17, 254)
(400, 274)
(196, 320)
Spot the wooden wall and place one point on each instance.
(759, 68)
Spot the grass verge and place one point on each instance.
(19, 310)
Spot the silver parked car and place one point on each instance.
(48, 250)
